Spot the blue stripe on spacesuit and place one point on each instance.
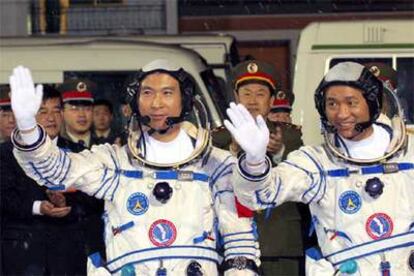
(164, 258)
(48, 170)
(378, 169)
(68, 166)
(62, 161)
(308, 173)
(238, 240)
(43, 180)
(272, 202)
(381, 250)
(158, 256)
(240, 254)
(114, 184)
(104, 183)
(104, 174)
(251, 177)
(220, 166)
(238, 247)
(380, 245)
(237, 233)
(42, 162)
(222, 173)
(117, 175)
(165, 175)
(56, 166)
(322, 179)
(32, 147)
(112, 179)
(222, 192)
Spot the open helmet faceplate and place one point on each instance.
(193, 118)
(383, 104)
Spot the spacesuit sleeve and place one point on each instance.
(300, 178)
(94, 171)
(238, 234)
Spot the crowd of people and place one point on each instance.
(175, 198)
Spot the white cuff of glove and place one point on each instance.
(30, 136)
(26, 124)
(256, 167)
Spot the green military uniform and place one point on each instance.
(280, 234)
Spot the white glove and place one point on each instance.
(252, 135)
(25, 102)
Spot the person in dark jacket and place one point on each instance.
(7, 122)
(102, 123)
(39, 224)
(256, 86)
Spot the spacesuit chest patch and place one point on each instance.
(137, 204)
(379, 225)
(162, 232)
(350, 202)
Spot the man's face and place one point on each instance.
(78, 118)
(50, 116)
(102, 117)
(345, 106)
(256, 97)
(279, 116)
(159, 98)
(7, 123)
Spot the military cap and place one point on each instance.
(254, 70)
(385, 73)
(79, 90)
(283, 102)
(5, 103)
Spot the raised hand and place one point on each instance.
(251, 134)
(25, 98)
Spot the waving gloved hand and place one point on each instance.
(252, 135)
(25, 102)
(25, 98)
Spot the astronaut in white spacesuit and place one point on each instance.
(359, 184)
(168, 193)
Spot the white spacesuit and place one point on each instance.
(160, 218)
(360, 193)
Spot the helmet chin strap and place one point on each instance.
(170, 121)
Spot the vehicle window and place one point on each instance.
(110, 86)
(217, 89)
(387, 61)
(405, 87)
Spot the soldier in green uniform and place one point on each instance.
(280, 232)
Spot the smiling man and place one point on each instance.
(167, 193)
(351, 182)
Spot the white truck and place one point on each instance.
(108, 62)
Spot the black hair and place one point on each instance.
(106, 103)
(49, 92)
